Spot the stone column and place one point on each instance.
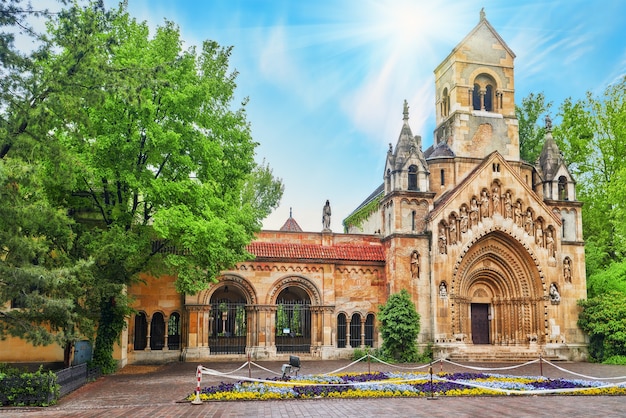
(148, 332)
(166, 319)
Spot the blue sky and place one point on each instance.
(326, 79)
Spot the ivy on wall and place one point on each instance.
(357, 218)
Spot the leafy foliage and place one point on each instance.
(117, 144)
(604, 319)
(592, 136)
(357, 218)
(531, 132)
(400, 325)
(20, 388)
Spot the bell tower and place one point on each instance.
(475, 103)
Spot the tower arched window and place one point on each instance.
(445, 103)
(476, 97)
(489, 98)
(563, 188)
(413, 177)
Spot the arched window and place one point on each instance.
(369, 330)
(355, 331)
(476, 97)
(563, 188)
(173, 331)
(341, 330)
(157, 332)
(489, 98)
(445, 103)
(443, 177)
(141, 329)
(413, 177)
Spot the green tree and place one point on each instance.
(38, 275)
(603, 318)
(592, 136)
(530, 116)
(400, 325)
(139, 143)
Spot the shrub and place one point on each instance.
(25, 388)
(400, 325)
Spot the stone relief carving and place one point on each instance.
(518, 215)
(555, 297)
(443, 241)
(508, 206)
(495, 196)
(538, 235)
(464, 219)
(550, 244)
(567, 269)
(528, 222)
(484, 204)
(415, 265)
(443, 290)
(473, 215)
(452, 231)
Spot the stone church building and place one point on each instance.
(489, 247)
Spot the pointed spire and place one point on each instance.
(290, 212)
(405, 112)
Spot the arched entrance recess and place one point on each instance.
(297, 302)
(229, 316)
(497, 293)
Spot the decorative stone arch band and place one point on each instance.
(295, 281)
(236, 282)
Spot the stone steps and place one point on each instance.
(497, 357)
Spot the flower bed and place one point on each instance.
(386, 384)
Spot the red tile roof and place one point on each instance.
(317, 252)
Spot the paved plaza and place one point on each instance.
(159, 391)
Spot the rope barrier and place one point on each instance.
(396, 381)
(491, 368)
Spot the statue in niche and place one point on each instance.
(567, 270)
(484, 205)
(518, 214)
(443, 290)
(508, 205)
(326, 216)
(539, 235)
(464, 219)
(473, 212)
(528, 222)
(495, 196)
(415, 265)
(443, 241)
(550, 244)
(555, 297)
(452, 230)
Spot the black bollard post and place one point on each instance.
(540, 365)
(249, 369)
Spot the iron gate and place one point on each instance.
(228, 328)
(293, 327)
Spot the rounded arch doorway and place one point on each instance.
(228, 321)
(497, 293)
(293, 320)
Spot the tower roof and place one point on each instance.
(290, 224)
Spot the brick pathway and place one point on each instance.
(158, 391)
